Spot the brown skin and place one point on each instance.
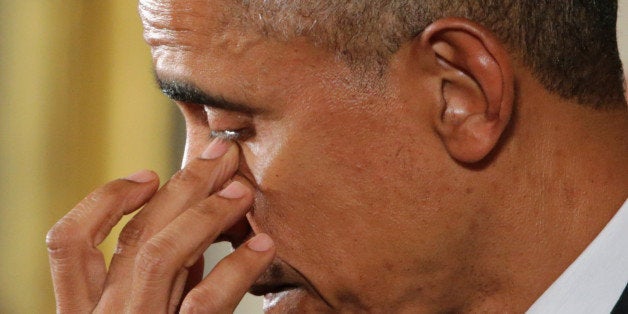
(459, 185)
(149, 269)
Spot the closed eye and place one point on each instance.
(232, 135)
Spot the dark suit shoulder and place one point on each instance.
(622, 305)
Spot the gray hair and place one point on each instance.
(570, 46)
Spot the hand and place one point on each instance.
(159, 253)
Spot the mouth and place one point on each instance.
(284, 287)
(279, 277)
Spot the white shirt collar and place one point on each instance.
(596, 279)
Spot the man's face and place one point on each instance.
(350, 182)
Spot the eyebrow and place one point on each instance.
(192, 94)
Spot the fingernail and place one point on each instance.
(216, 149)
(141, 176)
(234, 190)
(260, 243)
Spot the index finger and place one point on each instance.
(182, 242)
(77, 266)
(226, 284)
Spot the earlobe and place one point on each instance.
(477, 91)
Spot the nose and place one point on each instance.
(244, 169)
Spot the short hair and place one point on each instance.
(570, 46)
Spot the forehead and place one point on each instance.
(190, 23)
(198, 41)
(206, 43)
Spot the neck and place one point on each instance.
(568, 176)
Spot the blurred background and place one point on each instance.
(78, 107)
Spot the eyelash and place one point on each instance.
(231, 135)
(235, 134)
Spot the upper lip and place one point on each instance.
(278, 277)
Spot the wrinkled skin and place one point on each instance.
(350, 182)
(419, 191)
(453, 182)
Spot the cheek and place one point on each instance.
(323, 187)
(299, 166)
(335, 197)
(303, 203)
(262, 158)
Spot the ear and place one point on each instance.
(475, 74)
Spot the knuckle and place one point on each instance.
(154, 258)
(61, 238)
(186, 176)
(133, 233)
(197, 302)
(208, 210)
(70, 233)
